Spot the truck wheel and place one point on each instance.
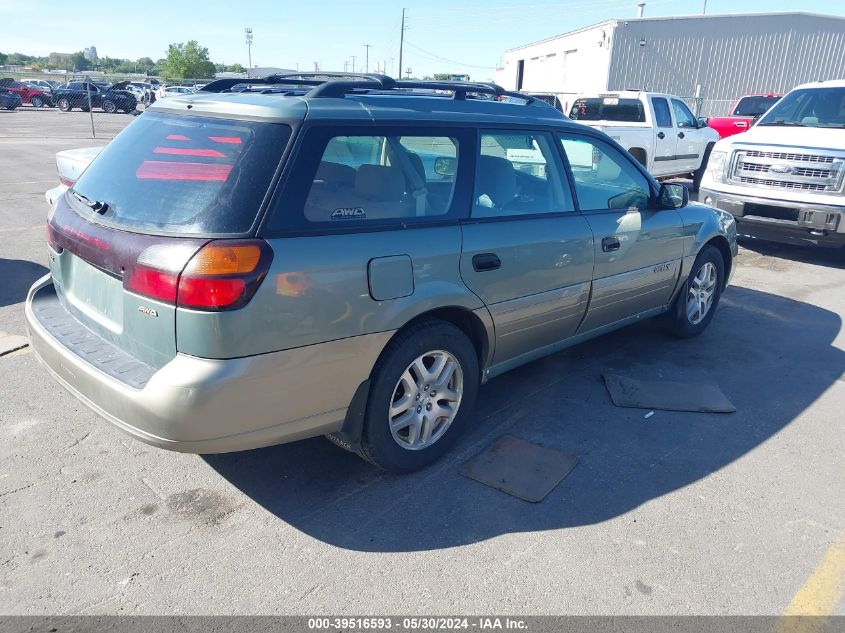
(109, 106)
(64, 105)
(699, 173)
(37, 102)
(696, 304)
(423, 390)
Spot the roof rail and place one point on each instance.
(337, 85)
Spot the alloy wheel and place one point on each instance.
(426, 400)
(702, 289)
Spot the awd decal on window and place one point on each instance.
(349, 213)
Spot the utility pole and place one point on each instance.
(401, 42)
(345, 65)
(367, 58)
(316, 67)
(248, 33)
(704, 10)
(353, 63)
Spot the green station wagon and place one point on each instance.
(352, 257)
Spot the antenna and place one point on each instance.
(248, 34)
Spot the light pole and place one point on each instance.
(367, 58)
(248, 33)
(353, 63)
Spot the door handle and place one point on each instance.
(485, 261)
(661, 135)
(609, 244)
(680, 135)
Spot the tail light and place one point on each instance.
(67, 182)
(221, 275)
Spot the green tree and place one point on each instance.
(3, 58)
(188, 60)
(78, 61)
(235, 68)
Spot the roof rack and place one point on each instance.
(338, 85)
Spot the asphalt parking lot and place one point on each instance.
(678, 513)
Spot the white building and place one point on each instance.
(90, 53)
(714, 57)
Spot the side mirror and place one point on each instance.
(445, 165)
(673, 196)
(702, 121)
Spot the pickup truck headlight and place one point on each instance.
(716, 166)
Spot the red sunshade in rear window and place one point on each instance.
(166, 170)
(226, 139)
(177, 137)
(183, 151)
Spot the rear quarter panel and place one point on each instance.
(702, 224)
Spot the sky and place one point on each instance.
(441, 35)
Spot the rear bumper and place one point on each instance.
(197, 405)
(796, 223)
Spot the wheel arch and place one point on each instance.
(720, 242)
(640, 154)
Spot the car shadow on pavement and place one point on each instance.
(772, 356)
(820, 256)
(16, 276)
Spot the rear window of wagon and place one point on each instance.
(190, 175)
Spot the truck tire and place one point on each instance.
(405, 426)
(697, 302)
(699, 173)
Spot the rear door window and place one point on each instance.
(343, 179)
(662, 115)
(608, 108)
(184, 174)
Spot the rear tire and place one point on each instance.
(64, 105)
(698, 174)
(109, 106)
(697, 302)
(37, 102)
(405, 428)
(639, 155)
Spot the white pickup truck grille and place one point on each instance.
(787, 170)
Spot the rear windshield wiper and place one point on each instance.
(94, 205)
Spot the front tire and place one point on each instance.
(423, 389)
(64, 105)
(696, 304)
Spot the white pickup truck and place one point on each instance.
(784, 179)
(658, 130)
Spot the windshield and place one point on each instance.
(809, 107)
(608, 109)
(184, 174)
(754, 106)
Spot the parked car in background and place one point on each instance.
(70, 163)
(742, 114)
(169, 91)
(34, 96)
(318, 238)
(9, 100)
(110, 98)
(43, 85)
(659, 130)
(784, 179)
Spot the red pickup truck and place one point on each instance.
(742, 114)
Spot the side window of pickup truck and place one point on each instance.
(683, 116)
(662, 116)
(604, 178)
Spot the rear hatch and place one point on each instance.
(161, 218)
